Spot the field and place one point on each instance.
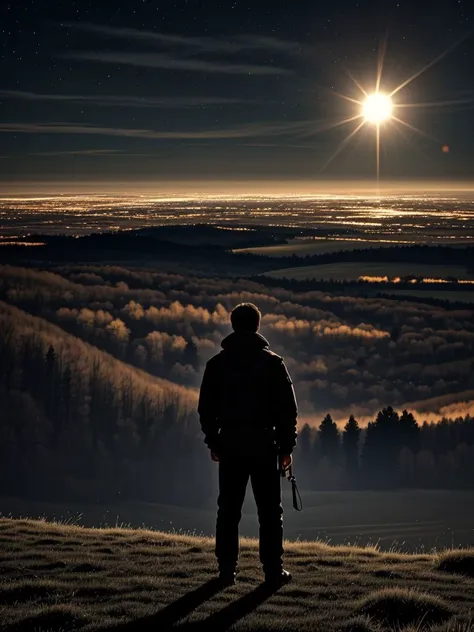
(305, 247)
(353, 270)
(64, 577)
(409, 520)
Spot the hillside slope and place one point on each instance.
(65, 577)
(75, 422)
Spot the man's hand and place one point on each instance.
(214, 457)
(285, 461)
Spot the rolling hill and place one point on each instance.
(65, 577)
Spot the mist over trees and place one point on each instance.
(100, 366)
(347, 355)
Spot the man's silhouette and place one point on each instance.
(248, 413)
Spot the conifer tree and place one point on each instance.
(350, 443)
(329, 438)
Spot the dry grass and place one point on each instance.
(460, 562)
(399, 606)
(65, 577)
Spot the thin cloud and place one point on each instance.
(110, 153)
(234, 44)
(122, 100)
(168, 62)
(79, 152)
(271, 44)
(242, 131)
(280, 145)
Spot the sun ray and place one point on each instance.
(343, 96)
(351, 76)
(377, 142)
(434, 104)
(429, 65)
(346, 97)
(380, 63)
(415, 129)
(343, 144)
(333, 125)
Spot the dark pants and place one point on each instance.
(234, 473)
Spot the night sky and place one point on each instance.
(190, 89)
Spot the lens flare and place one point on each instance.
(377, 108)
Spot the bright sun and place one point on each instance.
(377, 108)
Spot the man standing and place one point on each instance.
(248, 414)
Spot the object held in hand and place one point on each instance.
(285, 461)
(297, 502)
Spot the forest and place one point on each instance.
(100, 368)
(347, 355)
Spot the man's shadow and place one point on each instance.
(168, 618)
(233, 612)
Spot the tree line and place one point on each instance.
(393, 451)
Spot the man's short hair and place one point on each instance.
(245, 317)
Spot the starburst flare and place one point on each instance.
(377, 108)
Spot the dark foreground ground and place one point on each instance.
(65, 577)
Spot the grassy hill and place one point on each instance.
(64, 577)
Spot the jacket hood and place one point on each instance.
(244, 342)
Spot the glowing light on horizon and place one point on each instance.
(387, 279)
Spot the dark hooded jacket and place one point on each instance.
(247, 397)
